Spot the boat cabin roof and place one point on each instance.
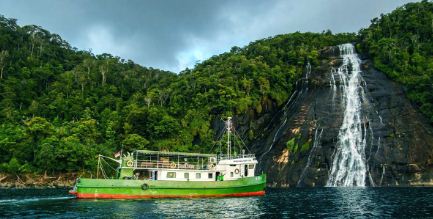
(166, 153)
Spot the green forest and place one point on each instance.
(401, 46)
(60, 107)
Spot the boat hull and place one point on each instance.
(144, 189)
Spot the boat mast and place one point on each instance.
(99, 166)
(229, 128)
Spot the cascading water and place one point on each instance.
(274, 139)
(281, 126)
(317, 137)
(308, 68)
(349, 166)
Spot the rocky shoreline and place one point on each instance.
(8, 181)
(415, 184)
(37, 181)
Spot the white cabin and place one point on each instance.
(176, 166)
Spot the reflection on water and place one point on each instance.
(277, 203)
(205, 208)
(169, 208)
(356, 201)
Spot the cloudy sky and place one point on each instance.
(175, 34)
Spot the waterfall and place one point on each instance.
(317, 137)
(378, 146)
(308, 68)
(332, 81)
(383, 173)
(349, 167)
(301, 89)
(274, 139)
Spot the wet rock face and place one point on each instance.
(297, 144)
(406, 138)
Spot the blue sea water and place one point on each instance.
(277, 203)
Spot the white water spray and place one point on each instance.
(35, 199)
(349, 166)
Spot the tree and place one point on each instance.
(3, 57)
(37, 128)
(134, 142)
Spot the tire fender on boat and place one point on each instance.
(237, 171)
(144, 186)
(173, 165)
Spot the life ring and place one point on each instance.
(144, 186)
(173, 165)
(129, 163)
(237, 171)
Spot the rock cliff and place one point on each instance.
(299, 142)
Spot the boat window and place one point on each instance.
(186, 175)
(231, 174)
(198, 175)
(210, 175)
(232, 165)
(251, 166)
(171, 174)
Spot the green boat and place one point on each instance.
(157, 174)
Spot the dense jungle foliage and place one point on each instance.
(60, 107)
(401, 46)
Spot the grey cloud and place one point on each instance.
(174, 34)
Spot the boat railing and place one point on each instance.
(150, 164)
(225, 157)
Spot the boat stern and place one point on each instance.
(73, 191)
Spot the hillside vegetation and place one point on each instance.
(401, 46)
(60, 107)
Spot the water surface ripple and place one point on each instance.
(278, 203)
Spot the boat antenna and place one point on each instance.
(242, 144)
